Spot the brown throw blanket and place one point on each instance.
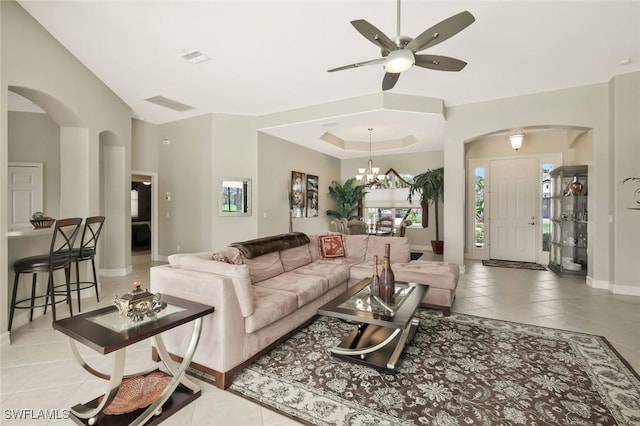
(260, 246)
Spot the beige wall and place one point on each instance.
(625, 135)
(277, 158)
(185, 172)
(35, 137)
(37, 67)
(535, 142)
(234, 155)
(145, 146)
(201, 151)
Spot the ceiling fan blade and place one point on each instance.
(358, 64)
(389, 80)
(441, 31)
(440, 63)
(374, 35)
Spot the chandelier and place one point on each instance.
(370, 174)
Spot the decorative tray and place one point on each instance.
(137, 392)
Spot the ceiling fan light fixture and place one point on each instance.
(399, 60)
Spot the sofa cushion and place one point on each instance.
(175, 259)
(264, 267)
(436, 274)
(295, 257)
(400, 248)
(331, 246)
(259, 246)
(271, 305)
(239, 275)
(356, 246)
(335, 272)
(230, 253)
(364, 270)
(305, 287)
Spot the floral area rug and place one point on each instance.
(459, 370)
(514, 264)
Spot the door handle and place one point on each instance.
(532, 223)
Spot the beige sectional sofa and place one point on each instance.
(265, 288)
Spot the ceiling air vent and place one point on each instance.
(195, 57)
(169, 103)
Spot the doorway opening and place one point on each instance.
(144, 229)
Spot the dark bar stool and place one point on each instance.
(59, 257)
(87, 251)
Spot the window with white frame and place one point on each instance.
(390, 199)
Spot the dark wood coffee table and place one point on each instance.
(383, 328)
(105, 331)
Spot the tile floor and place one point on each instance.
(38, 372)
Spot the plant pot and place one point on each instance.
(437, 246)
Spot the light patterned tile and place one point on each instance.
(226, 409)
(35, 403)
(37, 368)
(271, 418)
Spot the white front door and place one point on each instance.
(25, 193)
(513, 212)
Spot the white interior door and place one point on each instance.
(25, 193)
(514, 197)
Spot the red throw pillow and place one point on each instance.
(331, 246)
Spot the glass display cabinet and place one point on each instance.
(569, 218)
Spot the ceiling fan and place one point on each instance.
(400, 54)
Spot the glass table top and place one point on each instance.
(365, 302)
(119, 323)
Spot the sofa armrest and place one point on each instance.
(224, 329)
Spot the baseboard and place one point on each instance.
(117, 272)
(21, 316)
(626, 290)
(5, 339)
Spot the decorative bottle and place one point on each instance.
(575, 187)
(387, 279)
(374, 287)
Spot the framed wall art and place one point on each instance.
(312, 196)
(297, 196)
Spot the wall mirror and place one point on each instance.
(235, 197)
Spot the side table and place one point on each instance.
(105, 331)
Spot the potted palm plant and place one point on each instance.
(430, 186)
(346, 197)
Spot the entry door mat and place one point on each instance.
(458, 370)
(514, 264)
